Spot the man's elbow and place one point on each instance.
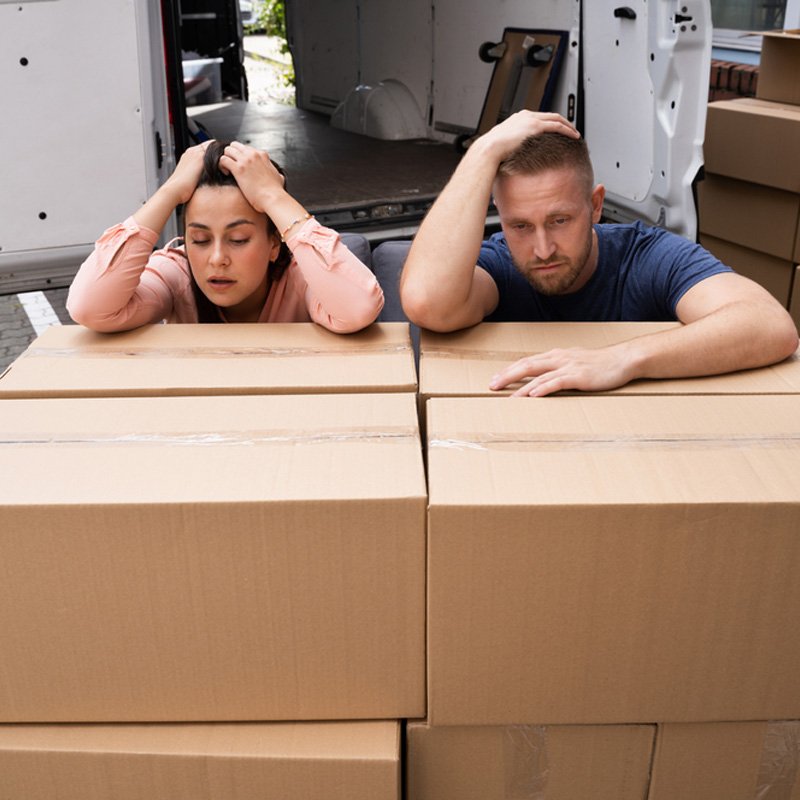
(427, 312)
(788, 339)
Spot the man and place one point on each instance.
(553, 261)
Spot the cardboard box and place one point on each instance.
(159, 360)
(794, 306)
(613, 560)
(779, 67)
(756, 217)
(754, 140)
(461, 364)
(774, 274)
(527, 761)
(305, 761)
(212, 559)
(727, 761)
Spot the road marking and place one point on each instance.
(39, 311)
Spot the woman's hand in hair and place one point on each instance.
(184, 178)
(177, 189)
(256, 175)
(262, 185)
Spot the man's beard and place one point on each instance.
(561, 282)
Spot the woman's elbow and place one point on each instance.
(359, 316)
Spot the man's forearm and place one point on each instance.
(740, 335)
(439, 269)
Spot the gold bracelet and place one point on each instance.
(292, 224)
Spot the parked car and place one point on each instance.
(249, 10)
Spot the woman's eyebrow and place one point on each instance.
(233, 224)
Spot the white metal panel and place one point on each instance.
(646, 91)
(325, 46)
(397, 44)
(459, 33)
(80, 114)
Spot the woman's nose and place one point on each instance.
(218, 253)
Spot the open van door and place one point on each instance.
(645, 79)
(86, 137)
(634, 80)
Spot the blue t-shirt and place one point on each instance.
(641, 274)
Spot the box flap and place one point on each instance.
(461, 364)
(630, 450)
(210, 449)
(279, 358)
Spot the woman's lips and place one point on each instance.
(221, 283)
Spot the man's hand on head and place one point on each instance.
(503, 138)
(586, 370)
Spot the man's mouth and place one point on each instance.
(546, 265)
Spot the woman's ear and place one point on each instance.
(274, 245)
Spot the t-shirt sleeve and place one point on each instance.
(666, 267)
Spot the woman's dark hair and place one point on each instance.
(212, 175)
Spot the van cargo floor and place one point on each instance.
(348, 180)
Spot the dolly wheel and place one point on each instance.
(491, 51)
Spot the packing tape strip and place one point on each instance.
(138, 351)
(780, 762)
(477, 355)
(560, 443)
(525, 762)
(221, 438)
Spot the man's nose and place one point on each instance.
(543, 245)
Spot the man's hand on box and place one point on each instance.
(582, 369)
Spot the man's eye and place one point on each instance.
(561, 220)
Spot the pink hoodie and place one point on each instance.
(124, 283)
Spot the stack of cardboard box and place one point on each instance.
(749, 202)
(223, 574)
(217, 595)
(612, 582)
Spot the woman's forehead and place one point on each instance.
(217, 205)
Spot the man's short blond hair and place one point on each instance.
(549, 151)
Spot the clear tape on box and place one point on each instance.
(780, 761)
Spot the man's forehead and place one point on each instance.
(559, 190)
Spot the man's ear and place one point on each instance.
(598, 195)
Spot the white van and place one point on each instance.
(95, 112)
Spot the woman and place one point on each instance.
(251, 253)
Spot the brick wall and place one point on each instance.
(729, 80)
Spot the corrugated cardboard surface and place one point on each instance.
(757, 217)
(613, 560)
(461, 364)
(779, 67)
(727, 761)
(774, 274)
(306, 761)
(290, 358)
(754, 140)
(527, 762)
(220, 558)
